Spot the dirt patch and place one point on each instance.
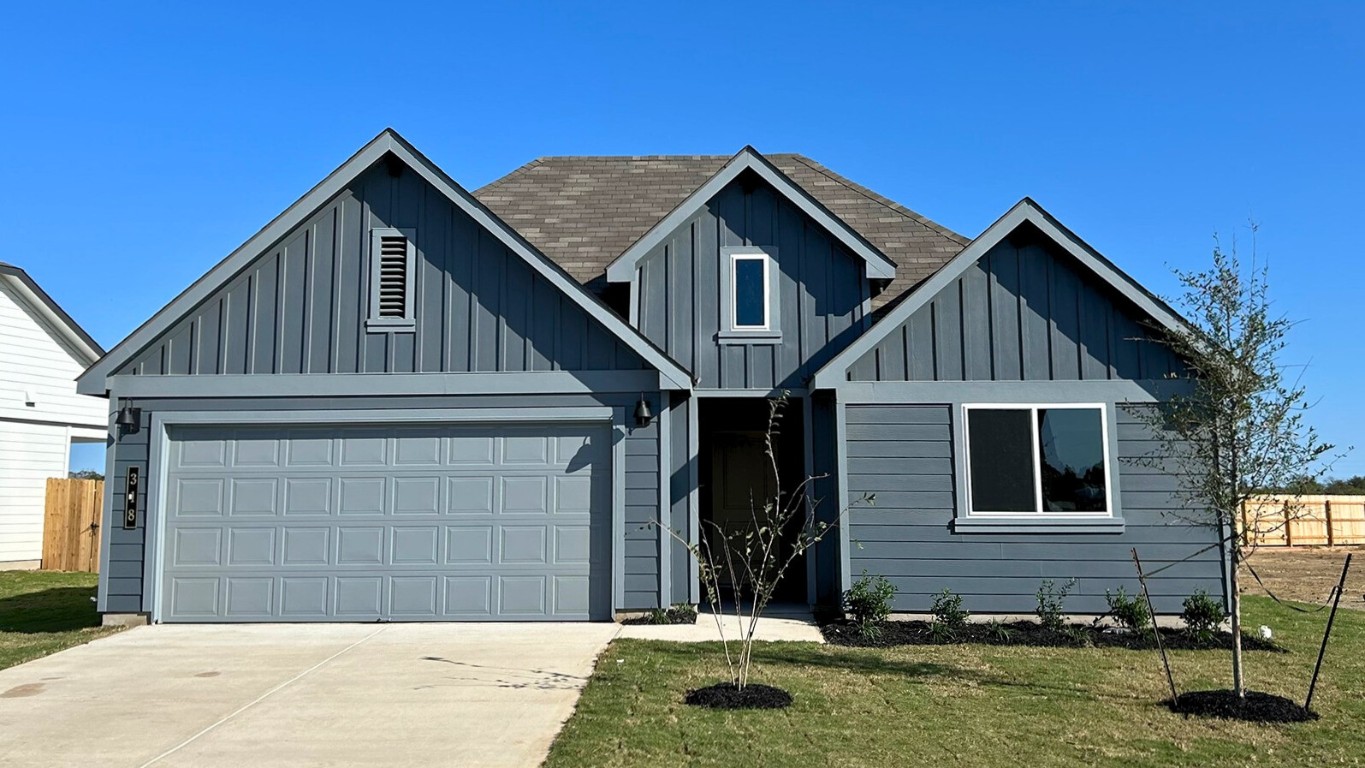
(1256, 707)
(21, 691)
(1028, 633)
(727, 696)
(208, 674)
(1306, 575)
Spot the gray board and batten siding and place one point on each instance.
(1024, 322)
(285, 332)
(824, 295)
(1024, 311)
(302, 307)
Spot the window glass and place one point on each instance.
(1001, 455)
(1071, 449)
(751, 309)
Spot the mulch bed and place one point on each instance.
(727, 696)
(1257, 707)
(1027, 633)
(658, 618)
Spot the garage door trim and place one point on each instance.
(155, 520)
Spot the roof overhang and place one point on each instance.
(81, 344)
(835, 372)
(877, 265)
(388, 142)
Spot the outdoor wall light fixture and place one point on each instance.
(129, 419)
(642, 413)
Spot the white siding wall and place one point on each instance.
(35, 440)
(32, 359)
(29, 455)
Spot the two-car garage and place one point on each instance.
(409, 522)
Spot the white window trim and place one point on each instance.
(735, 258)
(1040, 513)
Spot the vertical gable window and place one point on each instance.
(1037, 459)
(392, 256)
(749, 296)
(749, 286)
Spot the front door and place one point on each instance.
(742, 484)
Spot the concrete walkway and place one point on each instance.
(276, 695)
(770, 628)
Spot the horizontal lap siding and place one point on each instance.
(904, 454)
(1023, 312)
(302, 306)
(124, 567)
(820, 283)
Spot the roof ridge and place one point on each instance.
(881, 200)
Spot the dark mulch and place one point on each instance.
(727, 696)
(1028, 633)
(669, 616)
(1257, 707)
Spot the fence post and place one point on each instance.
(1327, 513)
(1288, 539)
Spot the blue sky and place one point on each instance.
(141, 144)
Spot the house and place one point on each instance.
(42, 351)
(404, 401)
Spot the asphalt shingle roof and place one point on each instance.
(585, 211)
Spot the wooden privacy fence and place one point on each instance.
(71, 525)
(1305, 521)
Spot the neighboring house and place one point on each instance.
(404, 401)
(42, 351)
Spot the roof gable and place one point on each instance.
(585, 211)
(876, 264)
(387, 143)
(80, 344)
(1026, 211)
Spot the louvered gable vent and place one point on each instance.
(391, 278)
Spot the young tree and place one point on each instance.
(754, 559)
(1237, 427)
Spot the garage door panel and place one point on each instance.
(254, 497)
(306, 546)
(424, 523)
(304, 597)
(250, 597)
(251, 547)
(415, 546)
(417, 495)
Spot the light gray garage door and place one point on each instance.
(394, 522)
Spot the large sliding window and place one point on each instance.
(1037, 460)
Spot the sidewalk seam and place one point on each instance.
(261, 698)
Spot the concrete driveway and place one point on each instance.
(331, 694)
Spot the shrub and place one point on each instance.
(1078, 636)
(998, 631)
(1129, 612)
(947, 610)
(1051, 602)
(868, 601)
(683, 613)
(1202, 615)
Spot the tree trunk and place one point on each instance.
(1234, 587)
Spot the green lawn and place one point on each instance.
(44, 612)
(968, 705)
